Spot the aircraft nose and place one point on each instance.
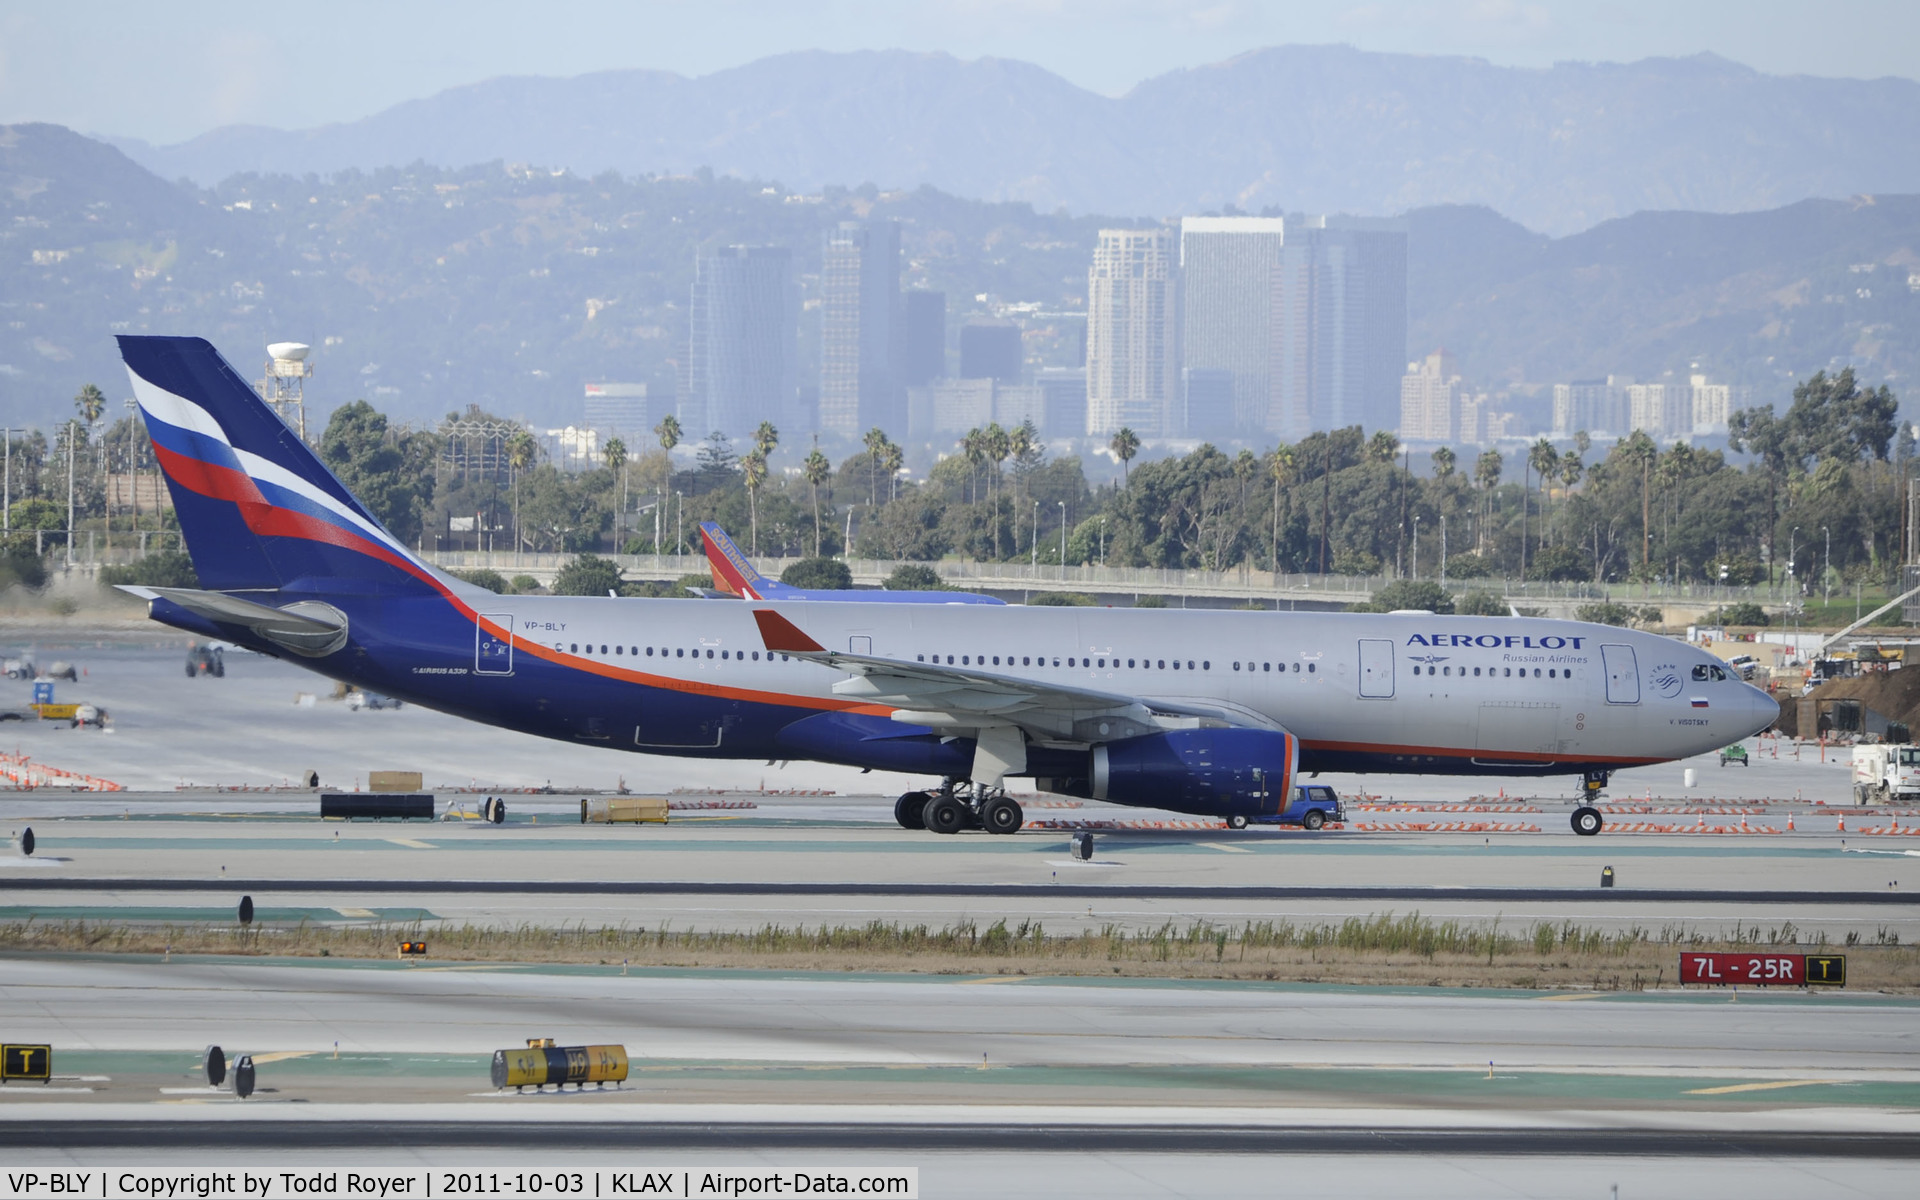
(1762, 710)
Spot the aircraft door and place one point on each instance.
(1623, 674)
(860, 643)
(493, 655)
(1376, 668)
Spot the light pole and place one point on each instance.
(1414, 571)
(1826, 588)
(1793, 542)
(1443, 550)
(1033, 548)
(73, 431)
(1103, 540)
(133, 470)
(1063, 539)
(6, 503)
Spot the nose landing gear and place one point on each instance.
(1586, 818)
(959, 805)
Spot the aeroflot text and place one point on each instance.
(1493, 641)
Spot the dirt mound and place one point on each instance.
(1893, 695)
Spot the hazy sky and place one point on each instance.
(166, 72)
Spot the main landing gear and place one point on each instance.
(959, 805)
(1586, 818)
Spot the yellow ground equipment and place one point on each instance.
(624, 810)
(539, 1065)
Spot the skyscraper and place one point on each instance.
(1227, 272)
(923, 337)
(1430, 395)
(859, 309)
(1133, 343)
(1340, 325)
(740, 364)
(991, 352)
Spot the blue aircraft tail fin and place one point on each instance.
(258, 508)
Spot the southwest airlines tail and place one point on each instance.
(259, 510)
(733, 572)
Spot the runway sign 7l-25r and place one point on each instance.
(1764, 970)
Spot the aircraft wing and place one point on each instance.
(967, 699)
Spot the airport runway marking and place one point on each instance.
(1578, 996)
(1227, 849)
(1774, 1085)
(411, 843)
(992, 979)
(354, 912)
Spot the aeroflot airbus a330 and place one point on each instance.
(1201, 712)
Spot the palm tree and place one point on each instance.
(1281, 465)
(1486, 473)
(876, 444)
(766, 438)
(893, 458)
(668, 431)
(1444, 462)
(1641, 450)
(754, 468)
(521, 451)
(1545, 461)
(1125, 445)
(1383, 447)
(818, 469)
(997, 446)
(90, 404)
(615, 453)
(974, 447)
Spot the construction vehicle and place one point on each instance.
(1736, 753)
(1883, 773)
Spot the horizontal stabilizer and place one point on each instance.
(308, 628)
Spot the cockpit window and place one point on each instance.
(1703, 672)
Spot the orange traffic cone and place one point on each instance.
(1789, 822)
(1840, 824)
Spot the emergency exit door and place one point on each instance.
(1623, 674)
(1376, 668)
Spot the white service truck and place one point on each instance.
(1882, 773)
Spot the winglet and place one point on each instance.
(732, 572)
(783, 636)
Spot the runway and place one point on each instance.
(1004, 1084)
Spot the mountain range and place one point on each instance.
(1290, 128)
(425, 289)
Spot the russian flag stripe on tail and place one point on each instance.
(258, 507)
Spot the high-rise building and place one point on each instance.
(740, 363)
(1207, 402)
(1595, 405)
(1712, 405)
(923, 337)
(1063, 392)
(1227, 273)
(991, 352)
(618, 410)
(1340, 322)
(1133, 343)
(859, 308)
(1430, 394)
(1661, 410)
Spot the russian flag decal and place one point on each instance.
(1699, 703)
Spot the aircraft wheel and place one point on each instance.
(944, 814)
(910, 810)
(1314, 819)
(1002, 815)
(1237, 821)
(1586, 820)
(189, 670)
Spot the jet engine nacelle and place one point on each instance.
(1211, 772)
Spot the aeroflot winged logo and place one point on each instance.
(1494, 641)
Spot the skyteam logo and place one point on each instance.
(1664, 680)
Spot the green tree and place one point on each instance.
(876, 443)
(1480, 603)
(1604, 613)
(819, 574)
(1486, 475)
(1444, 462)
(911, 577)
(615, 452)
(487, 578)
(91, 404)
(389, 470)
(521, 450)
(587, 575)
